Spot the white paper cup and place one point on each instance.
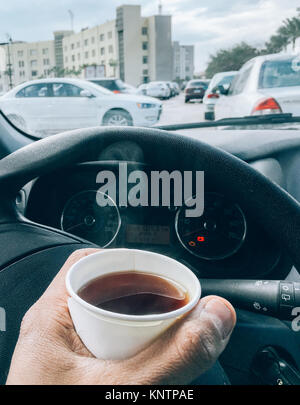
(110, 335)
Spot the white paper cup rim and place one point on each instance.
(136, 318)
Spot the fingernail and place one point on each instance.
(225, 318)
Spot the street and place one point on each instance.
(176, 111)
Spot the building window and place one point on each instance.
(22, 73)
(145, 46)
(46, 61)
(93, 40)
(110, 49)
(102, 51)
(33, 63)
(21, 63)
(33, 52)
(78, 44)
(66, 48)
(145, 60)
(86, 42)
(20, 54)
(144, 31)
(72, 46)
(45, 51)
(102, 37)
(93, 53)
(109, 35)
(86, 55)
(145, 72)
(73, 58)
(34, 73)
(78, 56)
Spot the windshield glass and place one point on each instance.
(282, 73)
(72, 64)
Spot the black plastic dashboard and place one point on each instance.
(151, 228)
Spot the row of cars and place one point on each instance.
(268, 84)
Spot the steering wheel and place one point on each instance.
(31, 254)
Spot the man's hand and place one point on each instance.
(50, 352)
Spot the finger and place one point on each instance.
(188, 348)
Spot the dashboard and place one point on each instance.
(225, 242)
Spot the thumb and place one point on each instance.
(192, 345)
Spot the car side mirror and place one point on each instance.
(221, 90)
(86, 93)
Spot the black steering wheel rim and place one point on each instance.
(23, 279)
(273, 208)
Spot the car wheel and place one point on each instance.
(186, 100)
(117, 118)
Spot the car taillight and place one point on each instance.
(267, 106)
(116, 91)
(213, 95)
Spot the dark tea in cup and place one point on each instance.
(134, 293)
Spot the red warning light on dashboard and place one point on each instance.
(200, 239)
(192, 243)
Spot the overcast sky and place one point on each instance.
(209, 24)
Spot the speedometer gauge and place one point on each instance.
(82, 216)
(217, 234)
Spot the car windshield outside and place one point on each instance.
(283, 73)
(148, 64)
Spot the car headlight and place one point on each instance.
(146, 105)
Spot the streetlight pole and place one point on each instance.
(9, 64)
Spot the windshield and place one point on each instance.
(69, 65)
(283, 73)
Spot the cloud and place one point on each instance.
(210, 25)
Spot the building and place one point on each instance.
(58, 47)
(144, 46)
(135, 48)
(183, 61)
(94, 46)
(28, 61)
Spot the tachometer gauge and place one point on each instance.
(217, 234)
(84, 217)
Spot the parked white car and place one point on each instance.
(155, 89)
(49, 106)
(212, 95)
(267, 84)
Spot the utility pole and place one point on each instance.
(71, 14)
(160, 7)
(9, 64)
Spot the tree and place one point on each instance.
(291, 28)
(276, 44)
(230, 59)
(288, 32)
(64, 72)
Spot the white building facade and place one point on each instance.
(22, 61)
(183, 61)
(133, 48)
